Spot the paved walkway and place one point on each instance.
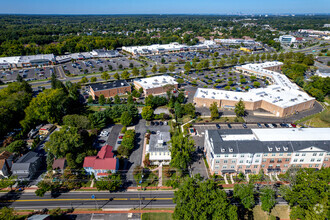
(247, 177)
(277, 177)
(232, 179)
(225, 177)
(160, 175)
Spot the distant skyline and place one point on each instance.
(164, 7)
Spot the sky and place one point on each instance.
(163, 6)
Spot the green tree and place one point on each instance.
(8, 213)
(267, 197)
(143, 73)
(178, 109)
(130, 99)
(256, 84)
(120, 66)
(101, 69)
(147, 113)
(84, 80)
(222, 63)
(102, 99)
(19, 147)
(245, 194)
(79, 121)
(240, 108)
(243, 80)
(162, 69)
(112, 182)
(117, 99)
(171, 67)
(105, 76)
(90, 99)
(93, 79)
(154, 69)
(7, 182)
(214, 111)
(135, 71)
(187, 67)
(116, 76)
(125, 74)
(190, 109)
(197, 199)
(126, 118)
(131, 65)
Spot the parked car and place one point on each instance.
(118, 142)
(121, 137)
(218, 126)
(293, 125)
(101, 141)
(161, 123)
(156, 123)
(275, 126)
(266, 125)
(152, 123)
(271, 126)
(259, 125)
(289, 125)
(229, 126)
(244, 125)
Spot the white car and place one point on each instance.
(290, 126)
(271, 126)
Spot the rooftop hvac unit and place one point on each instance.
(270, 149)
(285, 148)
(122, 84)
(223, 150)
(278, 148)
(231, 149)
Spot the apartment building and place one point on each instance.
(110, 89)
(156, 85)
(272, 150)
(282, 98)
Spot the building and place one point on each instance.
(110, 89)
(59, 164)
(158, 148)
(46, 129)
(101, 164)
(281, 99)
(235, 41)
(102, 53)
(27, 61)
(287, 39)
(156, 85)
(6, 160)
(323, 72)
(27, 166)
(270, 150)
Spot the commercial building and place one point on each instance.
(287, 39)
(281, 99)
(235, 41)
(102, 53)
(270, 150)
(323, 72)
(156, 85)
(101, 164)
(27, 61)
(158, 148)
(110, 89)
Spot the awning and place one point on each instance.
(228, 171)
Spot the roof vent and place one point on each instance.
(223, 150)
(278, 148)
(231, 149)
(285, 148)
(270, 149)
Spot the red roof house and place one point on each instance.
(102, 163)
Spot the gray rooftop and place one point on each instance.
(256, 146)
(110, 85)
(25, 161)
(159, 141)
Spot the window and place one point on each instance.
(281, 154)
(226, 155)
(293, 165)
(285, 165)
(242, 155)
(216, 166)
(232, 166)
(303, 155)
(318, 160)
(299, 165)
(301, 160)
(255, 166)
(328, 153)
(312, 160)
(273, 154)
(279, 160)
(225, 161)
(247, 161)
(287, 159)
(321, 154)
(272, 160)
(248, 166)
(233, 161)
(326, 159)
(263, 166)
(295, 160)
(297, 154)
(257, 161)
(270, 165)
(314, 154)
(241, 161)
(224, 167)
(264, 160)
(324, 164)
(265, 155)
(217, 161)
(289, 154)
(258, 155)
(316, 165)
(277, 165)
(239, 167)
(216, 173)
(310, 165)
(234, 155)
(283, 171)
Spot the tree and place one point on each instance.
(181, 152)
(189, 109)
(105, 76)
(18, 147)
(8, 213)
(197, 199)
(131, 65)
(222, 63)
(147, 113)
(241, 60)
(117, 99)
(267, 197)
(111, 183)
(245, 194)
(125, 74)
(120, 66)
(162, 60)
(240, 108)
(101, 69)
(263, 57)
(84, 80)
(171, 67)
(181, 97)
(162, 69)
(135, 71)
(253, 78)
(79, 121)
(110, 67)
(143, 73)
(214, 111)
(243, 80)
(130, 99)
(116, 76)
(126, 118)
(256, 84)
(93, 79)
(102, 99)
(7, 182)
(154, 69)
(90, 99)
(178, 109)
(187, 67)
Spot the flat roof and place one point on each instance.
(159, 141)
(110, 85)
(156, 81)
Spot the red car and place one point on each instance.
(120, 137)
(293, 125)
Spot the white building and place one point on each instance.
(158, 148)
(155, 85)
(287, 39)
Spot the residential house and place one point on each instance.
(59, 164)
(27, 166)
(158, 148)
(5, 163)
(46, 129)
(101, 164)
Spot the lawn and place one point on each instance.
(281, 211)
(316, 120)
(156, 216)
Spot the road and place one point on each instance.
(104, 200)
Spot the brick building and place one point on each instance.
(156, 85)
(273, 150)
(110, 89)
(282, 98)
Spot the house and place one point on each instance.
(158, 148)
(46, 129)
(26, 166)
(59, 164)
(5, 163)
(101, 164)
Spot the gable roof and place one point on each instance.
(105, 152)
(104, 159)
(59, 163)
(5, 155)
(25, 161)
(105, 164)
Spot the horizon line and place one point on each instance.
(160, 14)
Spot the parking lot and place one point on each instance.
(27, 74)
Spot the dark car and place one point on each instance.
(152, 123)
(229, 126)
(244, 125)
(161, 123)
(218, 126)
(118, 142)
(156, 123)
(275, 126)
(259, 125)
(266, 125)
